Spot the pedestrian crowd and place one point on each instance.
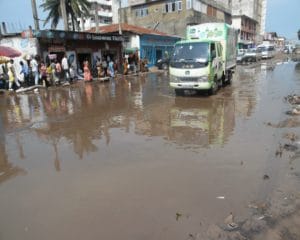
(34, 71)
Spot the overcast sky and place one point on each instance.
(283, 16)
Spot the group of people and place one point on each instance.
(35, 72)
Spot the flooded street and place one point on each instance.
(129, 160)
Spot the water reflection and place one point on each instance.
(205, 123)
(7, 169)
(83, 114)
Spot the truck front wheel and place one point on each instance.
(214, 87)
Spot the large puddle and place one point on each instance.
(129, 160)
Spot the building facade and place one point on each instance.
(150, 44)
(103, 12)
(173, 17)
(249, 16)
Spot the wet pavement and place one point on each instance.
(129, 160)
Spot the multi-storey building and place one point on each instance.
(102, 12)
(249, 17)
(172, 16)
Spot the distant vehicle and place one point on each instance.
(253, 55)
(240, 56)
(163, 63)
(267, 51)
(296, 50)
(206, 60)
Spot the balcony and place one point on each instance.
(104, 2)
(105, 13)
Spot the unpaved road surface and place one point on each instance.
(129, 160)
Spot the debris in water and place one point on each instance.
(221, 197)
(178, 215)
(279, 151)
(293, 99)
(291, 136)
(266, 177)
(261, 217)
(229, 219)
(230, 224)
(295, 111)
(290, 147)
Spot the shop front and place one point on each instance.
(155, 47)
(79, 47)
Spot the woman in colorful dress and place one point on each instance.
(86, 72)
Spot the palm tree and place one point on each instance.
(65, 9)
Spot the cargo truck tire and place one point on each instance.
(214, 87)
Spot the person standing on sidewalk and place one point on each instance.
(35, 70)
(86, 72)
(111, 69)
(65, 67)
(43, 71)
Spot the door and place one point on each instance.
(158, 53)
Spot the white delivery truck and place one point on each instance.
(205, 60)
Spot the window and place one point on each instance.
(179, 6)
(172, 7)
(211, 11)
(188, 4)
(141, 12)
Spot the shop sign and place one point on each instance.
(55, 34)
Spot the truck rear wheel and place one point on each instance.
(229, 77)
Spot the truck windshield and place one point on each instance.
(196, 52)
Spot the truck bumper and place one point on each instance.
(195, 86)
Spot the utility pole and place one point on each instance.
(96, 17)
(35, 15)
(119, 17)
(64, 14)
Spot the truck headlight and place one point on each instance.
(174, 79)
(203, 79)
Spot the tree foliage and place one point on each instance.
(74, 8)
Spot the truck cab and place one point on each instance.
(196, 65)
(205, 60)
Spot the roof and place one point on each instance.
(113, 28)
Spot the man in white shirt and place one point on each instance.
(65, 67)
(35, 70)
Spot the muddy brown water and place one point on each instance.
(129, 160)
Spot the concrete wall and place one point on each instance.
(172, 22)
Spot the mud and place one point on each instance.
(126, 159)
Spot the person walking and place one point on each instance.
(25, 72)
(11, 68)
(35, 70)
